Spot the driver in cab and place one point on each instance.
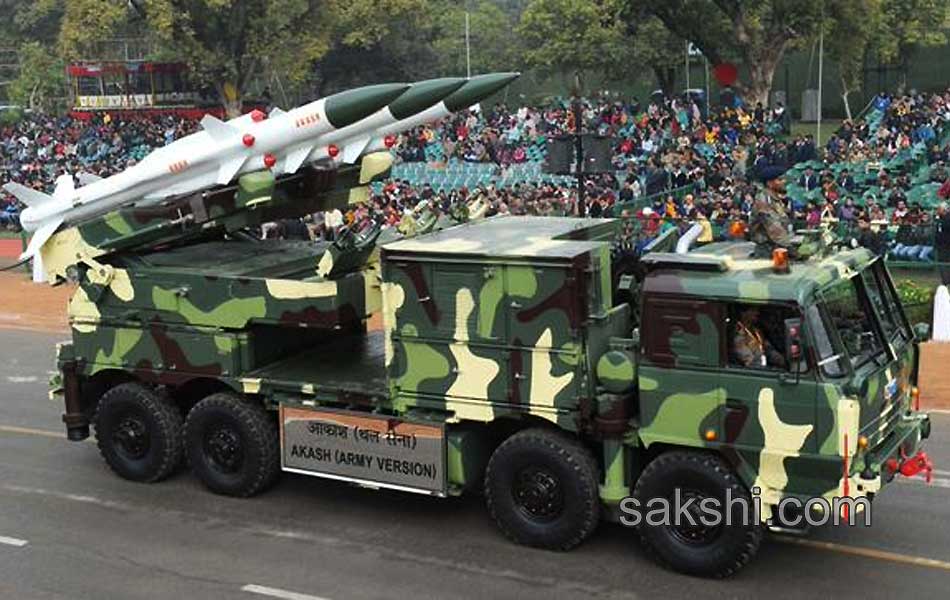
(750, 346)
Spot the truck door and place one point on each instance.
(681, 396)
(770, 412)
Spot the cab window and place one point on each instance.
(756, 336)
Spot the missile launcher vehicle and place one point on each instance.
(514, 357)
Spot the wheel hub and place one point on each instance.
(131, 437)
(695, 534)
(537, 492)
(224, 449)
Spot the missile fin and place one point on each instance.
(295, 158)
(65, 188)
(229, 169)
(87, 178)
(276, 112)
(353, 150)
(218, 129)
(40, 236)
(26, 195)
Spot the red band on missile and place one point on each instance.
(270, 160)
(333, 151)
(248, 140)
(178, 166)
(307, 120)
(389, 141)
(257, 116)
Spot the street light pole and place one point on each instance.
(468, 47)
(578, 110)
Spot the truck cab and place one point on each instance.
(828, 406)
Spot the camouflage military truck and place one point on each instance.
(509, 360)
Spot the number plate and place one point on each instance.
(369, 449)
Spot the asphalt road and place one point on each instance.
(70, 529)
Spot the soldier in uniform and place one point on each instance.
(769, 223)
(750, 346)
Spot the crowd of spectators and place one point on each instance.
(40, 148)
(672, 162)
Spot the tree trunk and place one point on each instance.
(762, 62)
(33, 92)
(760, 83)
(230, 97)
(666, 79)
(845, 92)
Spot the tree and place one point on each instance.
(754, 33)
(30, 20)
(656, 47)
(227, 43)
(574, 36)
(492, 37)
(905, 26)
(41, 79)
(849, 27)
(404, 53)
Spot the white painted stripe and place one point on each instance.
(22, 379)
(30, 431)
(919, 479)
(939, 411)
(9, 541)
(277, 593)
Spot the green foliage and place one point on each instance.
(30, 20)
(755, 33)
(851, 26)
(906, 24)
(493, 40)
(11, 116)
(87, 22)
(916, 299)
(911, 292)
(41, 80)
(575, 36)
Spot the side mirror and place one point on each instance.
(793, 344)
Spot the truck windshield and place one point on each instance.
(884, 298)
(849, 313)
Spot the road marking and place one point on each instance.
(907, 559)
(85, 499)
(278, 593)
(936, 481)
(9, 541)
(22, 379)
(939, 411)
(30, 431)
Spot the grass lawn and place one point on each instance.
(828, 127)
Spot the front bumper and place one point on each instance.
(900, 451)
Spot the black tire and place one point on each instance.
(541, 489)
(704, 551)
(233, 445)
(139, 433)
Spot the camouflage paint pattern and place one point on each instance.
(784, 435)
(508, 317)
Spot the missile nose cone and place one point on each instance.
(422, 95)
(477, 89)
(351, 106)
